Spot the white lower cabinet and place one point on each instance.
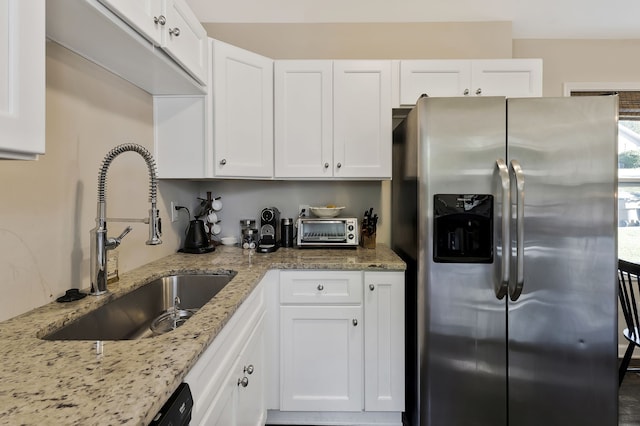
(240, 399)
(384, 341)
(227, 382)
(341, 348)
(321, 359)
(311, 347)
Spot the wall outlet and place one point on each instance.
(303, 210)
(174, 212)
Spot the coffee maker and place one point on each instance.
(269, 232)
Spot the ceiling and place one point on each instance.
(531, 19)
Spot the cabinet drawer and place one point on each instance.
(320, 287)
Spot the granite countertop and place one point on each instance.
(71, 382)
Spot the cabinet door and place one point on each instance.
(384, 341)
(243, 112)
(321, 358)
(145, 16)
(22, 79)
(303, 100)
(222, 411)
(251, 408)
(362, 119)
(435, 78)
(185, 39)
(507, 77)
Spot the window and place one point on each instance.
(628, 163)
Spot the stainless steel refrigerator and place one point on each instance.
(505, 212)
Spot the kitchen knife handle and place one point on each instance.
(517, 175)
(501, 177)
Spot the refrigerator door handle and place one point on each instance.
(517, 175)
(501, 178)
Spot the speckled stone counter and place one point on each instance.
(69, 382)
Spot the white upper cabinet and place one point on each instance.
(185, 39)
(362, 119)
(518, 78)
(22, 79)
(158, 45)
(303, 101)
(333, 119)
(143, 15)
(171, 25)
(242, 112)
(436, 78)
(490, 77)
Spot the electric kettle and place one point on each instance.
(197, 240)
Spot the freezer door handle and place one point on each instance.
(517, 178)
(503, 194)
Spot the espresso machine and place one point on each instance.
(269, 232)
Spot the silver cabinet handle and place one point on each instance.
(339, 165)
(503, 193)
(174, 32)
(320, 287)
(372, 287)
(223, 161)
(479, 92)
(326, 165)
(248, 369)
(244, 382)
(515, 286)
(466, 92)
(355, 322)
(160, 20)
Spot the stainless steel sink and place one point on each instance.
(129, 317)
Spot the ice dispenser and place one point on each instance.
(463, 228)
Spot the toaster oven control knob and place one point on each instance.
(350, 228)
(350, 236)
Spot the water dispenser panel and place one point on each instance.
(463, 228)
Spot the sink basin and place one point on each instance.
(130, 317)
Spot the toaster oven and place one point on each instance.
(325, 232)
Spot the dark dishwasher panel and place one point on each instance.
(177, 410)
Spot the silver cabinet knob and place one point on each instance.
(339, 165)
(223, 161)
(326, 165)
(355, 322)
(320, 287)
(479, 91)
(174, 31)
(372, 287)
(248, 369)
(160, 20)
(466, 92)
(244, 382)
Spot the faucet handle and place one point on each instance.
(121, 236)
(112, 243)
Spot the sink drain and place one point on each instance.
(171, 320)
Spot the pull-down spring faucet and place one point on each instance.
(100, 243)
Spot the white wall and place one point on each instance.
(531, 19)
(48, 206)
